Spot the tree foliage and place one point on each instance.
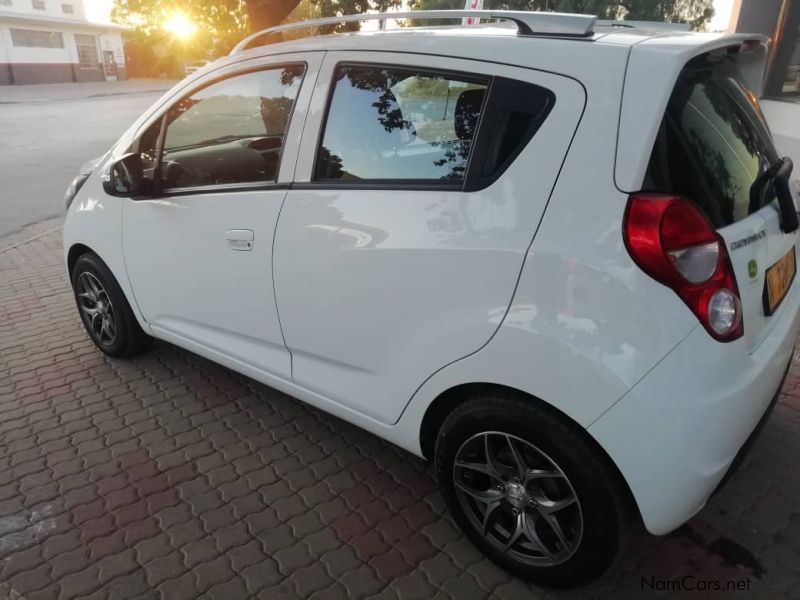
(695, 12)
(219, 24)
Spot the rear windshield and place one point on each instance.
(713, 143)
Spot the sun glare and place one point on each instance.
(179, 25)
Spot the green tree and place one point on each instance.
(695, 12)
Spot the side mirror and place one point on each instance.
(124, 177)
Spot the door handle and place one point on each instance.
(240, 239)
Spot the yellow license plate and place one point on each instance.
(779, 278)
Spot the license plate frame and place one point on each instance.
(778, 281)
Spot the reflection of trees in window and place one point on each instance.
(329, 166)
(380, 83)
(719, 181)
(420, 93)
(745, 129)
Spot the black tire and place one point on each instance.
(128, 339)
(602, 512)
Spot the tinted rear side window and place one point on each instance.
(713, 144)
(399, 124)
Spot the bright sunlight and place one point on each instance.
(179, 25)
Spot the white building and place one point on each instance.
(48, 41)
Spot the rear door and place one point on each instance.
(714, 147)
(419, 187)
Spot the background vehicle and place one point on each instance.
(563, 273)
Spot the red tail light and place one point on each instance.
(673, 242)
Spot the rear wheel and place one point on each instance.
(104, 310)
(531, 491)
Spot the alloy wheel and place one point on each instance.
(97, 308)
(518, 498)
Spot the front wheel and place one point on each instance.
(104, 310)
(531, 491)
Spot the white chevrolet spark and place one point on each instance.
(555, 258)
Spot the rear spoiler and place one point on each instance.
(653, 69)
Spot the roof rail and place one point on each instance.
(528, 23)
(655, 25)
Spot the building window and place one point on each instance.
(37, 39)
(38, 4)
(68, 9)
(87, 50)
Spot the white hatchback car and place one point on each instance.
(556, 259)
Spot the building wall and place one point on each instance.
(21, 64)
(24, 65)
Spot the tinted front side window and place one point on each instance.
(399, 124)
(231, 131)
(714, 145)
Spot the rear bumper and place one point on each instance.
(679, 430)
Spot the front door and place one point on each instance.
(418, 192)
(199, 253)
(109, 65)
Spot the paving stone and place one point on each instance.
(340, 560)
(261, 575)
(69, 562)
(213, 572)
(169, 566)
(200, 551)
(181, 588)
(27, 582)
(292, 558)
(414, 586)
(231, 536)
(117, 564)
(362, 582)
(78, 584)
(245, 555)
(310, 579)
(156, 547)
(230, 590)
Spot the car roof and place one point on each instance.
(453, 36)
(572, 56)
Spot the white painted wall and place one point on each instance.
(5, 43)
(52, 9)
(784, 121)
(18, 54)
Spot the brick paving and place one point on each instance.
(170, 477)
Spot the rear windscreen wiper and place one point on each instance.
(778, 175)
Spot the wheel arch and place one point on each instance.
(74, 252)
(448, 400)
(78, 249)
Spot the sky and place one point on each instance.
(100, 11)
